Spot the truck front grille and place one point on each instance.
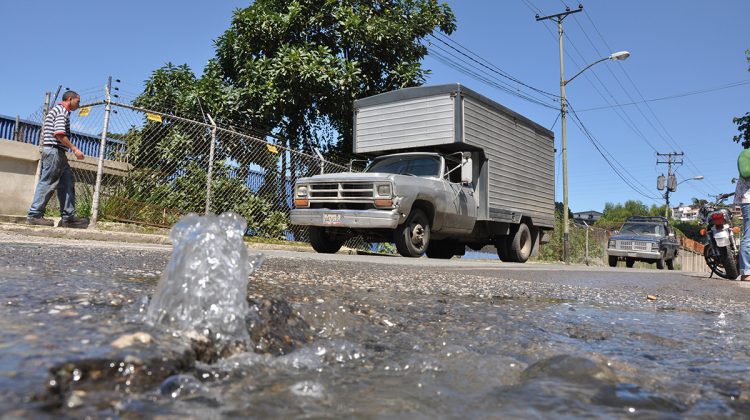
(341, 191)
(633, 245)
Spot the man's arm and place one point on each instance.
(63, 139)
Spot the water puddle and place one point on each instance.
(200, 349)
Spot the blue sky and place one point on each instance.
(677, 47)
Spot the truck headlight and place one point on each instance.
(384, 190)
(302, 191)
(611, 244)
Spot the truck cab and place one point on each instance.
(406, 198)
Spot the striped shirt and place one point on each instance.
(57, 121)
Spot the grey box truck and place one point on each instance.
(449, 168)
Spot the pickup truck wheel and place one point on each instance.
(629, 262)
(612, 261)
(322, 242)
(443, 250)
(519, 248)
(660, 262)
(670, 264)
(412, 237)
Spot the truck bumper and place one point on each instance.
(634, 254)
(345, 218)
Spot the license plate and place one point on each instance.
(331, 218)
(632, 254)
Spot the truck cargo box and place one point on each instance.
(514, 156)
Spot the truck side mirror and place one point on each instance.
(467, 171)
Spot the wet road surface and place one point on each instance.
(393, 337)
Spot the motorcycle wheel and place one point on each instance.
(715, 262)
(730, 265)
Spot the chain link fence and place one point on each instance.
(156, 167)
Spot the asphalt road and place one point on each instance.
(480, 278)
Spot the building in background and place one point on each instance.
(589, 217)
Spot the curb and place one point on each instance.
(82, 234)
(16, 224)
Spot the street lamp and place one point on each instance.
(666, 194)
(621, 55)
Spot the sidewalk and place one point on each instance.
(115, 232)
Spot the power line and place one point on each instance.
(675, 96)
(490, 66)
(689, 162)
(450, 60)
(620, 172)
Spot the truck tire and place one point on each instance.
(443, 250)
(412, 237)
(629, 262)
(670, 264)
(520, 244)
(322, 242)
(612, 261)
(660, 261)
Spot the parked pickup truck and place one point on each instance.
(644, 238)
(448, 168)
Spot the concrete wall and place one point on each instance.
(18, 165)
(18, 162)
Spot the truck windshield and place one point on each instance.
(642, 229)
(407, 165)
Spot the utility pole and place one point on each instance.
(673, 158)
(566, 229)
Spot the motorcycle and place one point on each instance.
(721, 247)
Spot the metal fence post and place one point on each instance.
(211, 152)
(17, 134)
(102, 146)
(47, 96)
(587, 243)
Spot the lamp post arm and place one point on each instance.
(584, 69)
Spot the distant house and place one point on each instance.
(589, 217)
(685, 213)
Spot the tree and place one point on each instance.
(619, 212)
(559, 210)
(743, 123)
(294, 68)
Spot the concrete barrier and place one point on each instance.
(18, 166)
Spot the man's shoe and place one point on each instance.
(74, 222)
(39, 221)
(745, 277)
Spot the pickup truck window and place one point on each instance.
(642, 229)
(407, 165)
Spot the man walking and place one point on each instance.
(56, 174)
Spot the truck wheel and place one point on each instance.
(629, 262)
(612, 261)
(660, 261)
(412, 237)
(322, 242)
(670, 264)
(519, 247)
(501, 245)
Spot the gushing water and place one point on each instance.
(204, 286)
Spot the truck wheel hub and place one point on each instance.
(417, 235)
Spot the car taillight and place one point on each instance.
(718, 218)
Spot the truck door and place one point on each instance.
(462, 204)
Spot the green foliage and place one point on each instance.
(619, 212)
(743, 123)
(553, 250)
(294, 68)
(689, 229)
